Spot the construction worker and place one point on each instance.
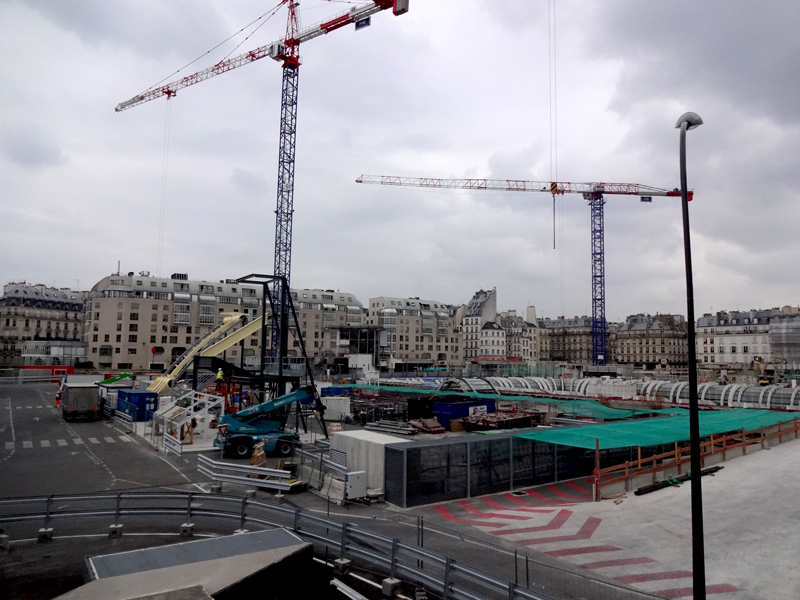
(219, 379)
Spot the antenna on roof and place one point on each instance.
(118, 268)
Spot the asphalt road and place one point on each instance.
(42, 454)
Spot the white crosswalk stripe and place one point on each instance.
(28, 407)
(76, 441)
(38, 407)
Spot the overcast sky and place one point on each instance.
(454, 88)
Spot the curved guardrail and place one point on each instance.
(455, 580)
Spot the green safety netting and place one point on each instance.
(654, 432)
(578, 408)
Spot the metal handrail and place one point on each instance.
(343, 536)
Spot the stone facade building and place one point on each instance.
(30, 313)
(653, 342)
(142, 322)
(415, 333)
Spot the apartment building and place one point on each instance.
(570, 339)
(481, 309)
(652, 342)
(522, 336)
(144, 322)
(39, 313)
(738, 338)
(415, 333)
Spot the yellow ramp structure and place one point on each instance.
(178, 368)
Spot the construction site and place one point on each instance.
(237, 470)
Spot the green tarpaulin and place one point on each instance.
(654, 432)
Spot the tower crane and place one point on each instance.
(592, 192)
(286, 51)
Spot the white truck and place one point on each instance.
(79, 400)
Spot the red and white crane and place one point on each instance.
(592, 192)
(287, 51)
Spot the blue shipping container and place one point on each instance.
(446, 411)
(143, 401)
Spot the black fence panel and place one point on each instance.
(490, 466)
(436, 474)
(394, 466)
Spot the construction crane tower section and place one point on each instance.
(287, 51)
(592, 192)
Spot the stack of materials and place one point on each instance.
(428, 425)
(500, 421)
(392, 427)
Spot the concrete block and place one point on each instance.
(4, 542)
(115, 531)
(341, 566)
(187, 530)
(279, 498)
(216, 487)
(250, 494)
(240, 531)
(390, 586)
(45, 535)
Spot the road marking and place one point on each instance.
(582, 550)
(125, 438)
(110, 440)
(687, 592)
(78, 441)
(61, 442)
(620, 562)
(28, 407)
(9, 445)
(38, 407)
(45, 443)
(27, 444)
(94, 440)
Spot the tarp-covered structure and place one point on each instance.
(577, 407)
(658, 431)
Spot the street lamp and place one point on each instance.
(688, 121)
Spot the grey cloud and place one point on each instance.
(30, 146)
(150, 28)
(746, 51)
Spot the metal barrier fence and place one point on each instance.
(38, 379)
(244, 474)
(125, 415)
(403, 546)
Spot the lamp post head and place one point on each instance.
(692, 120)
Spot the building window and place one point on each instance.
(116, 350)
(173, 339)
(94, 337)
(188, 339)
(152, 339)
(133, 327)
(163, 339)
(119, 338)
(132, 339)
(119, 316)
(131, 350)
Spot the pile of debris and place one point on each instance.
(501, 420)
(428, 425)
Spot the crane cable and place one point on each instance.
(164, 171)
(553, 98)
(272, 10)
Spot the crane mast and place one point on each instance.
(287, 51)
(594, 195)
